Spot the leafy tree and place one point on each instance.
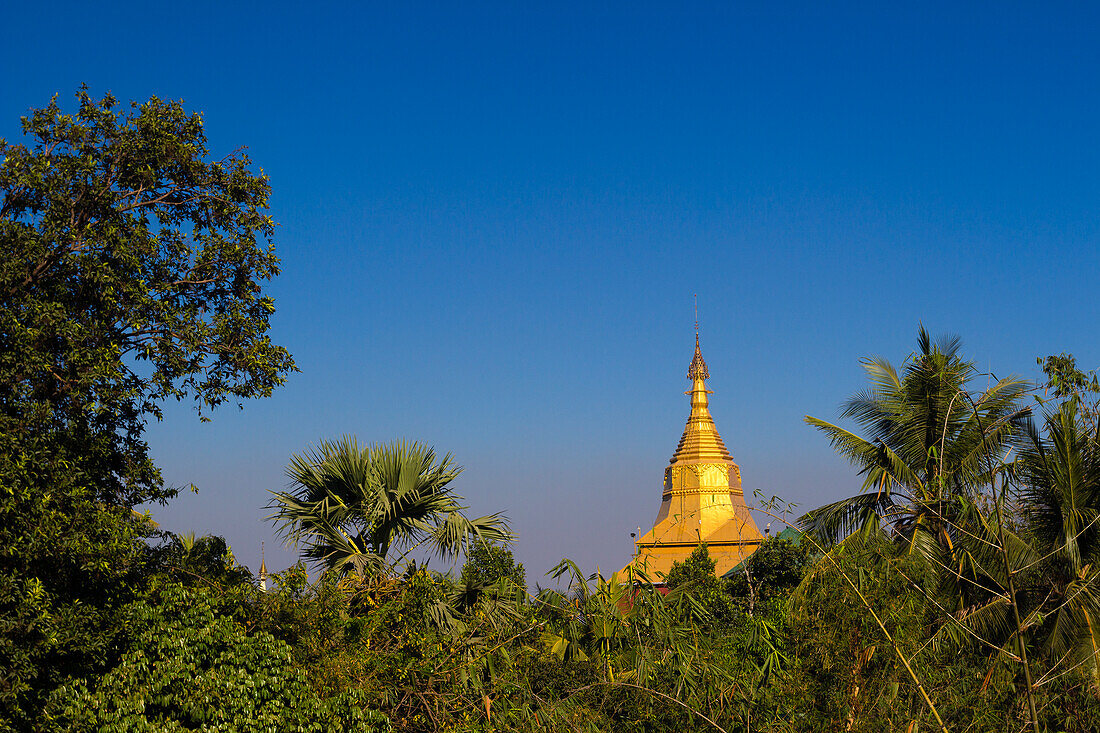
(1064, 379)
(67, 562)
(1066, 382)
(1060, 497)
(775, 569)
(487, 563)
(131, 266)
(190, 559)
(351, 506)
(130, 272)
(696, 576)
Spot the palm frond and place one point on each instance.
(454, 532)
(991, 623)
(832, 522)
(348, 507)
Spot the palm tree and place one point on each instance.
(351, 507)
(927, 444)
(1056, 552)
(1059, 473)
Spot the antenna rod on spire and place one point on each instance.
(696, 297)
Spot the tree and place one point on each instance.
(1033, 588)
(198, 560)
(1065, 382)
(131, 266)
(776, 568)
(188, 665)
(487, 563)
(696, 576)
(130, 273)
(350, 507)
(929, 443)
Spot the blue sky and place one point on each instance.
(494, 217)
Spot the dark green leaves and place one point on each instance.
(131, 266)
(926, 440)
(130, 272)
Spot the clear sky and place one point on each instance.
(494, 217)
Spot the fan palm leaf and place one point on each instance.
(351, 507)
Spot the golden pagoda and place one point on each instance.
(702, 499)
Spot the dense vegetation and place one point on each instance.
(957, 591)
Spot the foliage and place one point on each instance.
(487, 563)
(67, 564)
(773, 571)
(190, 560)
(188, 665)
(350, 506)
(928, 443)
(1052, 560)
(1060, 495)
(696, 575)
(844, 674)
(130, 272)
(1010, 587)
(1066, 382)
(1064, 379)
(636, 633)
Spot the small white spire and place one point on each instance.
(263, 570)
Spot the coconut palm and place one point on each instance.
(927, 443)
(1056, 552)
(1059, 473)
(351, 507)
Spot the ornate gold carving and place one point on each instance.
(698, 368)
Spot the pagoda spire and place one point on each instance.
(700, 439)
(698, 368)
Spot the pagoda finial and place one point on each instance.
(698, 368)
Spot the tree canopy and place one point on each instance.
(131, 264)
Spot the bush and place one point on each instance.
(774, 570)
(190, 666)
(696, 575)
